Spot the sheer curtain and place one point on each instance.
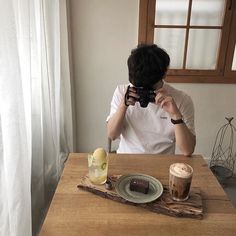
(36, 130)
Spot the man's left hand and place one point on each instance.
(167, 103)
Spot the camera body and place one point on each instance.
(145, 96)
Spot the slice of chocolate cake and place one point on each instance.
(139, 185)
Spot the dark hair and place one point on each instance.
(147, 65)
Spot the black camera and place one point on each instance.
(145, 96)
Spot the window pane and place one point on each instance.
(234, 60)
(203, 47)
(172, 40)
(207, 12)
(171, 12)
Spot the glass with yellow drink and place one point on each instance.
(98, 166)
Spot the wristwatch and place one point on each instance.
(175, 122)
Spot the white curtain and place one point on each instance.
(36, 131)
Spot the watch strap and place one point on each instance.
(179, 121)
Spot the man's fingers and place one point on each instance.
(160, 97)
(133, 94)
(165, 100)
(131, 101)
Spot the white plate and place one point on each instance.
(122, 188)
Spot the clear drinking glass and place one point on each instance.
(180, 178)
(98, 168)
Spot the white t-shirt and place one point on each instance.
(149, 130)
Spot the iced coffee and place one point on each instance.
(180, 177)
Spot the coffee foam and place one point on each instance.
(181, 170)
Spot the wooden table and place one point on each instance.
(77, 212)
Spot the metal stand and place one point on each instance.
(223, 155)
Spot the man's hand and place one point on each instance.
(130, 96)
(185, 140)
(167, 103)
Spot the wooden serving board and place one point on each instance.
(192, 208)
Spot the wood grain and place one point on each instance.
(192, 208)
(74, 211)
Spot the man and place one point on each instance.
(168, 118)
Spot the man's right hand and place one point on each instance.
(131, 96)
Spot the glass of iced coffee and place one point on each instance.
(180, 177)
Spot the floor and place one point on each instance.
(230, 189)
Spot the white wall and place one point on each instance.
(103, 33)
(213, 102)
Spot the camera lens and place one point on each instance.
(143, 103)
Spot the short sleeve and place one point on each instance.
(117, 99)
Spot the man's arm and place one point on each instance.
(116, 122)
(185, 139)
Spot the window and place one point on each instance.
(199, 36)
